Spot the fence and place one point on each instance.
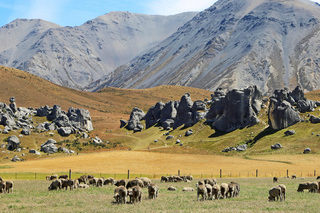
(128, 175)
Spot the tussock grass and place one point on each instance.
(33, 196)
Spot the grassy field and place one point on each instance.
(33, 196)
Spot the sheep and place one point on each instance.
(108, 180)
(224, 188)
(237, 192)
(123, 194)
(48, 177)
(2, 186)
(121, 182)
(216, 192)
(55, 185)
(164, 179)
(232, 190)
(212, 182)
(202, 190)
(67, 183)
(283, 190)
(303, 186)
(294, 177)
(116, 195)
(146, 181)
(76, 183)
(83, 179)
(135, 182)
(275, 179)
(83, 186)
(318, 177)
(100, 182)
(314, 187)
(153, 191)
(171, 188)
(274, 193)
(209, 191)
(187, 189)
(136, 194)
(189, 177)
(9, 185)
(1, 179)
(53, 177)
(63, 177)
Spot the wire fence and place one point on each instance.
(128, 175)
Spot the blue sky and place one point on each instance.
(76, 12)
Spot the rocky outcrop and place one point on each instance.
(135, 117)
(153, 115)
(276, 146)
(281, 113)
(238, 109)
(49, 146)
(13, 143)
(184, 112)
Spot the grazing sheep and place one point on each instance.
(224, 188)
(48, 177)
(209, 191)
(171, 188)
(275, 179)
(164, 179)
(232, 190)
(146, 181)
(100, 182)
(283, 190)
(123, 194)
(202, 190)
(76, 183)
(303, 186)
(274, 193)
(216, 192)
(153, 191)
(63, 177)
(67, 183)
(9, 185)
(294, 177)
(187, 189)
(121, 182)
(135, 182)
(83, 179)
(212, 182)
(108, 180)
(314, 188)
(2, 187)
(136, 194)
(177, 179)
(55, 185)
(116, 195)
(237, 192)
(90, 176)
(201, 182)
(53, 177)
(189, 177)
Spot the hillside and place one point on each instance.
(269, 43)
(76, 56)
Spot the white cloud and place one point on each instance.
(170, 7)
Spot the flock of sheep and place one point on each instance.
(6, 186)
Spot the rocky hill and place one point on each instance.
(269, 43)
(76, 56)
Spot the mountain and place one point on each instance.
(269, 43)
(76, 56)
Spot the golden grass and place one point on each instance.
(162, 163)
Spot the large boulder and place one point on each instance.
(240, 109)
(135, 117)
(153, 115)
(26, 131)
(55, 113)
(276, 146)
(184, 112)
(7, 120)
(199, 111)
(169, 112)
(33, 151)
(43, 111)
(281, 114)
(297, 94)
(65, 131)
(306, 106)
(49, 146)
(80, 119)
(13, 143)
(314, 119)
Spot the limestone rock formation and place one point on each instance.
(13, 143)
(49, 146)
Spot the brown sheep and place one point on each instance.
(67, 183)
(90, 176)
(121, 182)
(216, 192)
(294, 177)
(116, 195)
(314, 188)
(275, 179)
(153, 191)
(212, 182)
(283, 190)
(55, 185)
(83, 179)
(224, 188)
(53, 177)
(164, 179)
(135, 182)
(274, 193)
(202, 190)
(100, 182)
(136, 194)
(48, 177)
(189, 177)
(9, 185)
(63, 177)
(209, 191)
(303, 186)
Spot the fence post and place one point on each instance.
(178, 172)
(220, 173)
(287, 172)
(128, 174)
(257, 173)
(70, 174)
(315, 173)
